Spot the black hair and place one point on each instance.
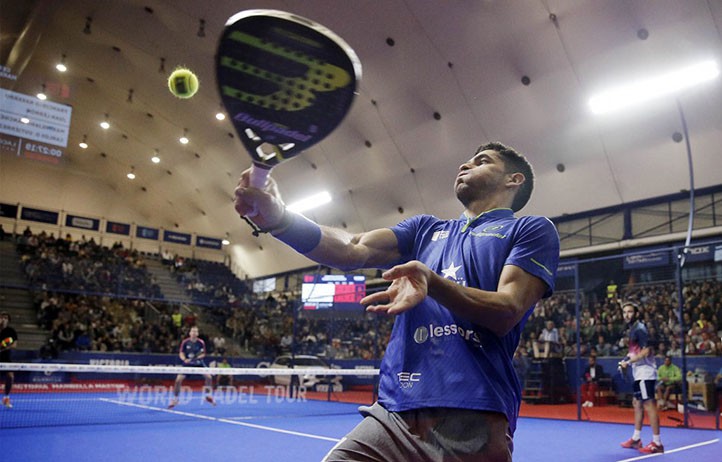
(514, 162)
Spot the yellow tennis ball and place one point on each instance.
(183, 83)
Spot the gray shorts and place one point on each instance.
(430, 434)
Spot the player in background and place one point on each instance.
(192, 351)
(644, 372)
(8, 341)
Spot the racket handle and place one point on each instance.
(259, 175)
(258, 178)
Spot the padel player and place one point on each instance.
(644, 371)
(462, 291)
(192, 351)
(8, 341)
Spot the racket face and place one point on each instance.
(285, 81)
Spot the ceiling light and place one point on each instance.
(24, 120)
(61, 67)
(221, 115)
(41, 95)
(650, 88)
(84, 144)
(225, 242)
(88, 22)
(105, 124)
(156, 157)
(131, 174)
(310, 202)
(184, 139)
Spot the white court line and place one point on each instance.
(683, 448)
(232, 422)
(27, 399)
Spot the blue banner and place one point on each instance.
(208, 242)
(566, 269)
(702, 252)
(91, 224)
(8, 210)
(147, 233)
(42, 216)
(639, 260)
(117, 228)
(176, 238)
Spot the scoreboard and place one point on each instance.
(332, 291)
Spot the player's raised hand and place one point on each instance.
(265, 206)
(409, 287)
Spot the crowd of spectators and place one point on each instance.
(100, 323)
(82, 265)
(265, 327)
(96, 298)
(602, 328)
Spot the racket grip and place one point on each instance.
(257, 179)
(259, 176)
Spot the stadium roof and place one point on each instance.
(440, 78)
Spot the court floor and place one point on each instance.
(106, 427)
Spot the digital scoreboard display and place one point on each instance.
(332, 291)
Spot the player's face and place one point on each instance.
(4, 320)
(628, 313)
(479, 175)
(193, 333)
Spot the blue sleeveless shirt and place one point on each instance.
(437, 359)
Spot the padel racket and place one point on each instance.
(286, 82)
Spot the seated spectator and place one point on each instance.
(224, 380)
(603, 347)
(669, 381)
(674, 350)
(549, 338)
(219, 344)
(706, 346)
(590, 382)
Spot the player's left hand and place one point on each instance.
(409, 287)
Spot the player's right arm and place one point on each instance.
(372, 249)
(325, 245)
(181, 354)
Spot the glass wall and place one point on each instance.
(679, 299)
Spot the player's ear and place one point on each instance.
(516, 179)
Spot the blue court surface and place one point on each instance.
(110, 427)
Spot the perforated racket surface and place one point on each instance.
(286, 83)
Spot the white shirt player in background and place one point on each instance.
(644, 371)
